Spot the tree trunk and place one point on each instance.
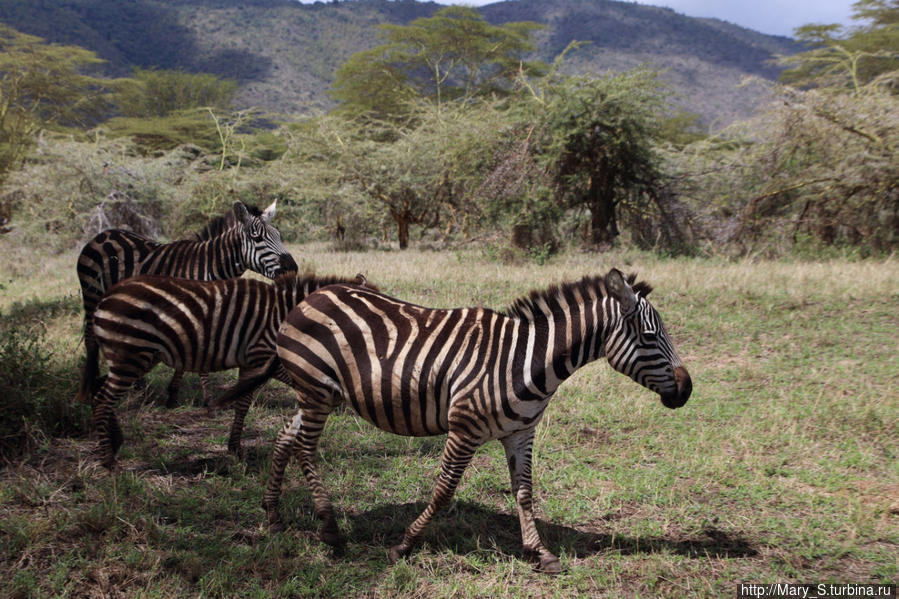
(402, 228)
(604, 227)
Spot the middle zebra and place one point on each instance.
(195, 326)
(473, 373)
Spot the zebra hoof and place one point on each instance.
(549, 564)
(108, 462)
(275, 524)
(236, 450)
(396, 553)
(330, 536)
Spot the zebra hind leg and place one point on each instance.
(519, 450)
(456, 456)
(284, 447)
(307, 452)
(104, 421)
(301, 436)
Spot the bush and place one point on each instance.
(816, 172)
(36, 393)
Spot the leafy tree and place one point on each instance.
(842, 58)
(43, 86)
(817, 170)
(159, 93)
(424, 176)
(596, 144)
(453, 54)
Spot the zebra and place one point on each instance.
(473, 373)
(242, 239)
(198, 326)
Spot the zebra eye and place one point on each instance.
(649, 336)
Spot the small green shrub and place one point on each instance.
(36, 394)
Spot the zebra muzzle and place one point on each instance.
(679, 397)
(286, 264)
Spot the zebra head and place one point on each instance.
(638, 345)
(262, 248)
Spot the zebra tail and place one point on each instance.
(248, 385)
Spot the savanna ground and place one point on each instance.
(781, 467)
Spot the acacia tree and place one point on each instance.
(819, 167)
(423, 175)
(596, 143)
(848, 58)
(454, 54)
(42, 85)
(159, 93)
(408, 110)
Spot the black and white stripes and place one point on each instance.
(473, 373)
(197, 326)
(242, 239)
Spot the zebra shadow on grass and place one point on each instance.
(467, 527)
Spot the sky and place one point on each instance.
(775, 17)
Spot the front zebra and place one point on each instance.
(228, 246)
(473, 373)
(197, 326)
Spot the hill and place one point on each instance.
(284, 53)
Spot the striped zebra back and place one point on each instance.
(199, 326)
(413, 370)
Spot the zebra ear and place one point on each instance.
(620, 291)
(241, 212)
(269, 213)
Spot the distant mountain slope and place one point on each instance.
(284, 53)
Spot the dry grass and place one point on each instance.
(782, 467)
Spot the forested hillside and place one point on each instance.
(284, 53)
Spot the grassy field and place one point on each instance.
(781, 467)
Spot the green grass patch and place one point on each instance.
(782, 467)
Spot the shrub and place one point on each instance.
(36, 392)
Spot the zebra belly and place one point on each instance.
(400, 414)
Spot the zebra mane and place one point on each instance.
(310, 280)
(219, 224)
(641, 288)
(525, 307)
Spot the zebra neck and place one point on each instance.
(224, 255)
(558, 338)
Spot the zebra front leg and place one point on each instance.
(519, 448)
(248, 382)
(204, 387)
(172, 389)
(456, 456)
(241, 407)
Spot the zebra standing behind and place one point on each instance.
(473, 373)
(197, 326)
(242, 239)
